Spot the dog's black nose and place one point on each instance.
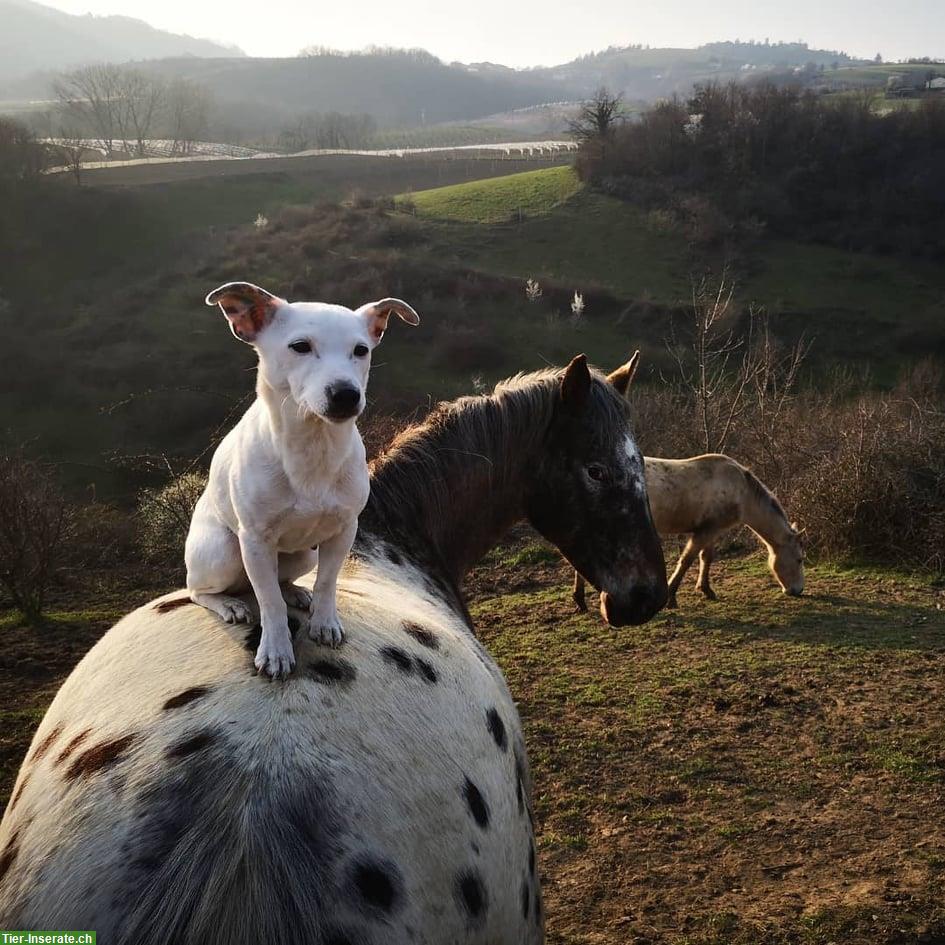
(343, 401)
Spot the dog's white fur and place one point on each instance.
(291, 475)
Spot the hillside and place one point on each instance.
(643, 73)
(36, 37)
(396, 88)
(150, 367)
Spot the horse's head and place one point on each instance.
(587, 494)
(786, 561)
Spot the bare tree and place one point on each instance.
(188, 114)
(90, 98)
(597, 118)
(115, 103)
(732, 370)
(32, 529)
(71, 149)
(143, 99)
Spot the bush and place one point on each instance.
(33, 528)
(164, 517)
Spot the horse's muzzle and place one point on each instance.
(642, 603)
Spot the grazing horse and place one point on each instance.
(381, 795)
(703, 497)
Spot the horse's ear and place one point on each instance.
(576, 384)
(622, 377)
(248, 308)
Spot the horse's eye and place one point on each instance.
(596, 472)
(301, 347)
(360, 351)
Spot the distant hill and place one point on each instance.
(35, 38)
(398, 87)
(644, 73)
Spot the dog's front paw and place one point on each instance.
(297, 597)
(328, 632)
(275, 659)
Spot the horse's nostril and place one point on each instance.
(637, 607)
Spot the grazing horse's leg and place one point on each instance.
(706, 557)
(682, 566)
(578, 593)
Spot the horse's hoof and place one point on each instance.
(710, 595)
(581, 605)
(670, 603)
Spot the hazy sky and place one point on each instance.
(538, 32)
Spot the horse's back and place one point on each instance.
(701, 493)
(378, 795)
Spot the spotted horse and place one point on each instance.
(381, 796)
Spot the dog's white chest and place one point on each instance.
(315, 515)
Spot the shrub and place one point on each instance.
(33, 528)
(164, 516)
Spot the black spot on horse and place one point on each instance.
(72, 744)
(196, 742)
(471, 894)
(187, 696)
(422, 635)
(394, 556)
(497, 728)
(294, 626)
(99, 756)
(46, 743)
(332, 672)
(426, 670)
(526, 899)
(378, 885)
(19, 790)
(519, 787)
(476, 803)
(206, 808)
(397, 657)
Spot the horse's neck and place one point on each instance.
(471, 492)
(766, 520)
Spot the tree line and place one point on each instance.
(829, 168)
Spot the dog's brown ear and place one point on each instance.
(248, 308)
(622, 377)
(378, 313)
(576, 384)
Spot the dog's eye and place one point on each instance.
(596, 472)
(301, 347)
(360, 351)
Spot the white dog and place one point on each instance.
(291, 475)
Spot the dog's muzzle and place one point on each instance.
(343, 402)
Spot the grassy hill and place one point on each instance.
(857, 306)
(511, 197)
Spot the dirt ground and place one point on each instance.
(756, 770)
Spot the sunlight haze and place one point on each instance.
(530, 34)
